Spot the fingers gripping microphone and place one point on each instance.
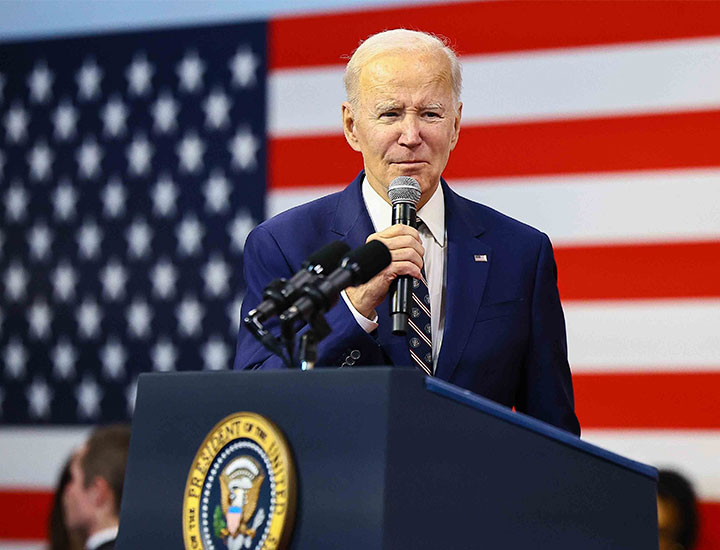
(404, 193)
(358, 267)
(281, 294)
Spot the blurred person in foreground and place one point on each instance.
(486, 309)
(91, 500)
(678, 524)
(59, 537)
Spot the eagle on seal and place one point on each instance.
(240, 484)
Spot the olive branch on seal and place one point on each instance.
(219, 525)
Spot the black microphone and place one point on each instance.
(281, 294)
(404, 193)
(358, 267)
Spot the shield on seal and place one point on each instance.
(234, 515)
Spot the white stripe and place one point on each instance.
(305, 101)
(420, 304)
(426, 369)
(416, 330)
(592, 81)
(649, 206)
(623, 207)
(33, 457)
(279, 200)
(645, 334)
(694, 453)
(6, 544)
(653, 77)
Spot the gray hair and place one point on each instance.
(396, 40)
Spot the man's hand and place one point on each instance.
(407, 259)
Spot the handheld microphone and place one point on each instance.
(404, 193)
(358, 267)
(280, 294)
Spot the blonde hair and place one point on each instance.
(396, 40)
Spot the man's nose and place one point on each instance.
(410, 134)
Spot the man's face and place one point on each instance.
(668, 523)
(406, 121)
(78, 500)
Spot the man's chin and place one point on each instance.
(412, 170)
(417, 171)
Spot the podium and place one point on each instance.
(386, 458)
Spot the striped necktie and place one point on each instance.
(419, 332)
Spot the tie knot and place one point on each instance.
(423, 229)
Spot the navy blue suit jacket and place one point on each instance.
(504, 335)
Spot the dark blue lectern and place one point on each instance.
(388, 459)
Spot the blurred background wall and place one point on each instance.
(141, 141)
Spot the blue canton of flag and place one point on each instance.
(132, 167)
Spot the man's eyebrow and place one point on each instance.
(392, 105)
(386, 106)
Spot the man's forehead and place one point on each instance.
(79, 453)
(400, 69)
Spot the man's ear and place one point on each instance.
(456, 126)
(348, 117)
(102, 492)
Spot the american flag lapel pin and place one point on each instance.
(480, 257)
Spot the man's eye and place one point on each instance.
(389, 114)
(432, 114)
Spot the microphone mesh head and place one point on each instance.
(404, 189)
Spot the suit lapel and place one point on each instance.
(466, 274)
(352, 222)
(466, 277)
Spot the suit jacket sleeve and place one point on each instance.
(265, 260)
(546, 388)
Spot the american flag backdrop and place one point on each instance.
(133, 167)
(597, 122)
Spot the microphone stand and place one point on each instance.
(287, 335)
(318, 330)
(267, 339)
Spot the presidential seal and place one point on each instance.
(241, 490)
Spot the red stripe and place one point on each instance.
(675, 140)
(673, 400)
(24, 514)
(20, 508)
(10, 528)
(486, 27)
(667, 270)
(709, 526)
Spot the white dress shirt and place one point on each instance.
(101, 537)
(432, 236)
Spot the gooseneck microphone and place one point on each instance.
(281, 294)
(357, 268)
(404, 193)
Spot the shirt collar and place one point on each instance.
(101, 537)
(432, 213)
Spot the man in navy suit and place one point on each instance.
(494, 322)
